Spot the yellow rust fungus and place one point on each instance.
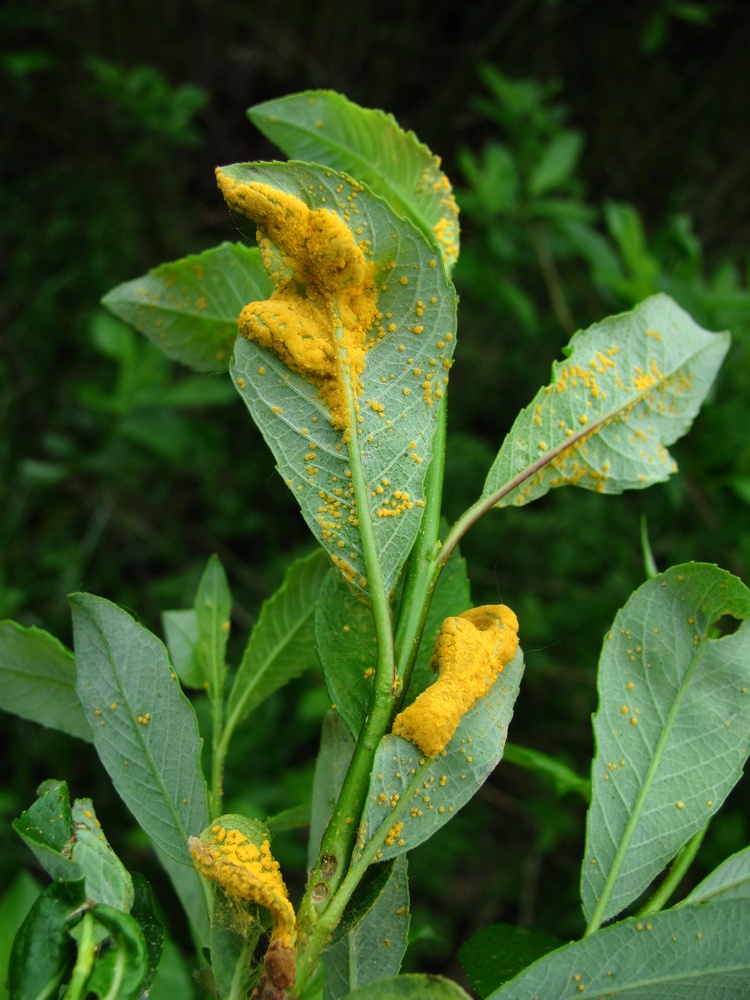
(246, 872)
(325, 297)
(470, 652)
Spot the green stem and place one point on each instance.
(341, 834)
(219, 746)
(680, 865)
(423, 569)
(84, 960)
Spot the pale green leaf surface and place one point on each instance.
(730, 880)
(189, 307)
(694, 953)
(334, 756)
(375, 947)
(123, 675)
(400, 389)
(423, 794)
(38, 680)
(629, 387)
(415, 986)
(181, 634)
(107, 879)
(672, 729)
(282, 643)
(189, 889)
(324, 127)
(15, 903)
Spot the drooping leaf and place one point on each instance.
(694, 953)
(374, 948)
(730, 880)
(15, 903)
(145, 730)
(324, 127)
(189, 307)
(399, 391)
(38, 680)
(281, 645)
(671, 729)
(415, 986)
(629, 387)
(43, 950)
(108, 881)
(122, 964)
(46, 828)
(142, 911)
(497, 952)
(411, 796)
(562, 777)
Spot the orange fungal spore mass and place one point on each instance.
(325, 297)
(470, 652)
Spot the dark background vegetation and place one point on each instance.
(115, 113)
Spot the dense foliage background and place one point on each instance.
(599, 152)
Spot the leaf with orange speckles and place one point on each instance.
(189, 307)
(324, 127)
(399, 393)
(628, 387)
(671, 729)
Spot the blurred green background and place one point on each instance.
(600, 152)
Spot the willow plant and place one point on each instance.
(339, 330)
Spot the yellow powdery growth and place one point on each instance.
(246, 872)
(470, 652)
(325, 298)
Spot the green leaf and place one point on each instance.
(213, 607)
(189, 307)
(232, 948)
(730, 880)
(345, 639)
(38, 680)
(374, 948)
(142, 911)
(562, 778)
(145, 730)
(345, 636)
(423, 794)
(181, 634)
(121, 966)
(694, 953)
(190, 892)
(281, 644)
(415, 986)
(497, 952)
(557, 163)
(47, 829)
(324, 127)
(15, 904)
(671, 729)
(173, 978)
(336, 749)
(630, 386)
(401, 386)
(108, 882)
(43, 950)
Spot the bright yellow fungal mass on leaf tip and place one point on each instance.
(325, 298)
(470, 652)
(246, 872)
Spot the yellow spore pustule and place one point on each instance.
(325, 296)
(246, 872)
(470, 652)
